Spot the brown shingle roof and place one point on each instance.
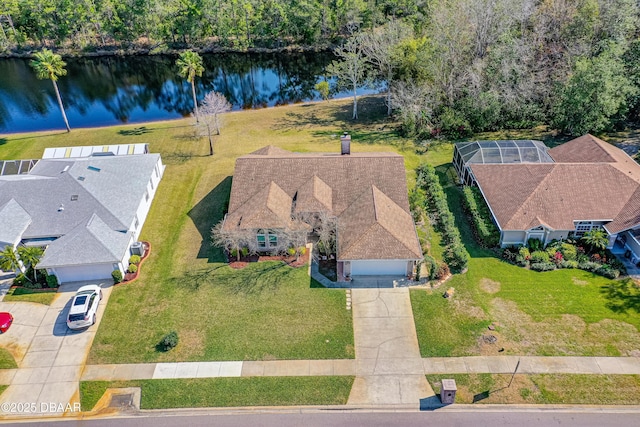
(334, 183)
(602, 184)
(374, 227)
(270, 207)
(314, 196)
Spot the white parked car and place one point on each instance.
(84, 307)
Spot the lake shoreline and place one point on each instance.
(160, 49)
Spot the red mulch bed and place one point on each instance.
(130, 277)
(289, 260)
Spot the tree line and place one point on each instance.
(482, 65)
(81, 24)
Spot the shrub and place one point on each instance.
(616, 264)
(291, 251)
(568, 264)
(509, 253)
(521, 261)
(608, 272)
(534, 245)
(524, 252)
(569, 252)
(432, 266)
(52, 280)
(486, 232)
(543, 266)
(168, 342)
(134, 259)
(456, 256)
(582, 258)
(557, 257)
(23, 280)
(588, 266)
(117, 276)
(244, 251)
(539, 256)
(302, 250)
(233, 253)
(132, 268)
(442, 271)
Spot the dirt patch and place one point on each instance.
(579, 282)
(464, 306)
(489, 286)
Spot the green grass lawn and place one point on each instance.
(554, 389)
(28, 295)
(6, 360)
(562, 312)
(225, 392)
(220, 314)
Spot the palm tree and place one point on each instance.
(190, 66)
(30, 257)
(9, 260)
(596, 239)
(49, 65)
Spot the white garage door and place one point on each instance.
(379, 268)
(84, 272)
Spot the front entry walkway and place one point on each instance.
(389, 368)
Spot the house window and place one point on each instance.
(584, 226)
(266, 239)
(136, 224)
(146, 196)
(151, 182)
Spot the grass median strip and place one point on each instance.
(6, 360)
(45, 297)
(553, 389)
(226, 392)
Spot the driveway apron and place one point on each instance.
(49, 355)
(389, 368)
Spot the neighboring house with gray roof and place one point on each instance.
(365, 192)
(589, 184)
(85, 211)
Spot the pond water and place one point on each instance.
(113, 90)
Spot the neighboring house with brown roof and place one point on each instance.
(590, 184)
(365, 192)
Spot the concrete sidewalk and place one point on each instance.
(368, 367)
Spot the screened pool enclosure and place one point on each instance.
(496, 152)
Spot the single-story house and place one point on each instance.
(365, 192)
(85, 211)
(588, 184)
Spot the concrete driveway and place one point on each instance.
(49, 355)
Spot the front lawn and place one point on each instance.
(562, 312)
(219, 313)
(225, 392)
(44, 296)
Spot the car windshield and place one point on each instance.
(80, 300)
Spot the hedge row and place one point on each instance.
(487, 233)
(455, 254)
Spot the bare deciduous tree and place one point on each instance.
(351, 69)
(379, 48)
(231, 240)
(213, 105)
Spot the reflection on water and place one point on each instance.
(111, 90)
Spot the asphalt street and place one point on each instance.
(476, 418)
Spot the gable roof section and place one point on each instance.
(314, 196)
(554, 195)
(584, 149)
(270, 207)
(14, 220)
(347, 176)
(374, 227)
(92, 242)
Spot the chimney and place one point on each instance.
(345, 143)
